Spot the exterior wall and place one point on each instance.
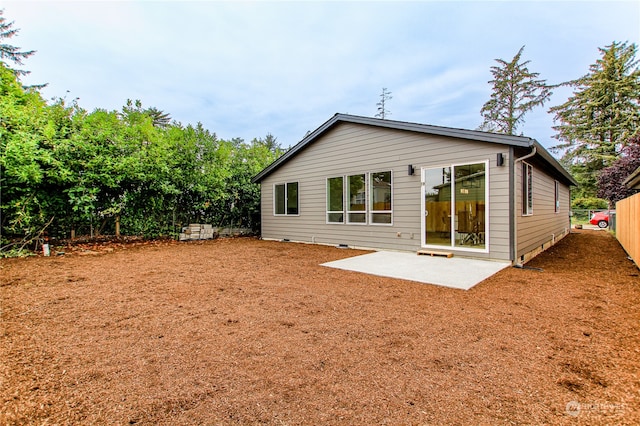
(350, 148)
(542, 229)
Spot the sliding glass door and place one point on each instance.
(437, 206)
(454, 206)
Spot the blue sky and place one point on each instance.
(245, 69)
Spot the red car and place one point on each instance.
(601, 219)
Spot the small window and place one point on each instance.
(292, 198)
(357, 196)
(285, 198)
(557, 197)
(335, 200)
(279, 199)
(381, 198)
(527, 189)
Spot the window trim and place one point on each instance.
(527, 189)
(556, 198)
(286, 198)
(373, 212)
(328, 212)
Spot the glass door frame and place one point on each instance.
(452, 227)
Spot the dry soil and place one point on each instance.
(244, 331)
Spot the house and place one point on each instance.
(633, 180)
(392, 185)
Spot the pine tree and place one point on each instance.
(158, 117)
(9, 52)
(382, 109)
(270, 142)
(601, 115)
(604, 110)
(516, 91)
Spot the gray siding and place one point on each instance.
(350, 148)
(544, 225)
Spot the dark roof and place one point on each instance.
(633, 180)
(517, 141)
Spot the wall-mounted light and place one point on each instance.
(410, 170)
(500, 160)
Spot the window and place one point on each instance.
(357, 196)
(285, 198)
(279, 199)
(380, 190)
(557, 197)
(292, 198)
(527, 189)
(469, 196)
(335, 200)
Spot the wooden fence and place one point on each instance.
(628, 226)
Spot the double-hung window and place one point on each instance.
(285, 199)
(527, 189)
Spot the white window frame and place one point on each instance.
(286, 198)
(527, 189)
(342, 212)
(347, 199)
(372, 212)
(556, 197)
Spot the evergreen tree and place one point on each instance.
(516, 91)
(9, 52)
(382, 109)
(601, 115)
(158, 117)
(270, 142)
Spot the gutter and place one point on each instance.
(529, 155)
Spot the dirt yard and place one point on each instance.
(243, 331)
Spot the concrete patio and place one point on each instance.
(455, 272)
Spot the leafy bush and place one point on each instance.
(589, 203)
(64, 170)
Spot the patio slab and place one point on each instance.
(454, 272)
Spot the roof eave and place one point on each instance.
(476, 135)
(633, 179)
(540, 150)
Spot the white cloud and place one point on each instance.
(245, 69)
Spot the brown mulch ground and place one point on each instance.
(243, 331)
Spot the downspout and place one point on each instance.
(570, 213)
(514, 249)
(529, 155)
(512, 208)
